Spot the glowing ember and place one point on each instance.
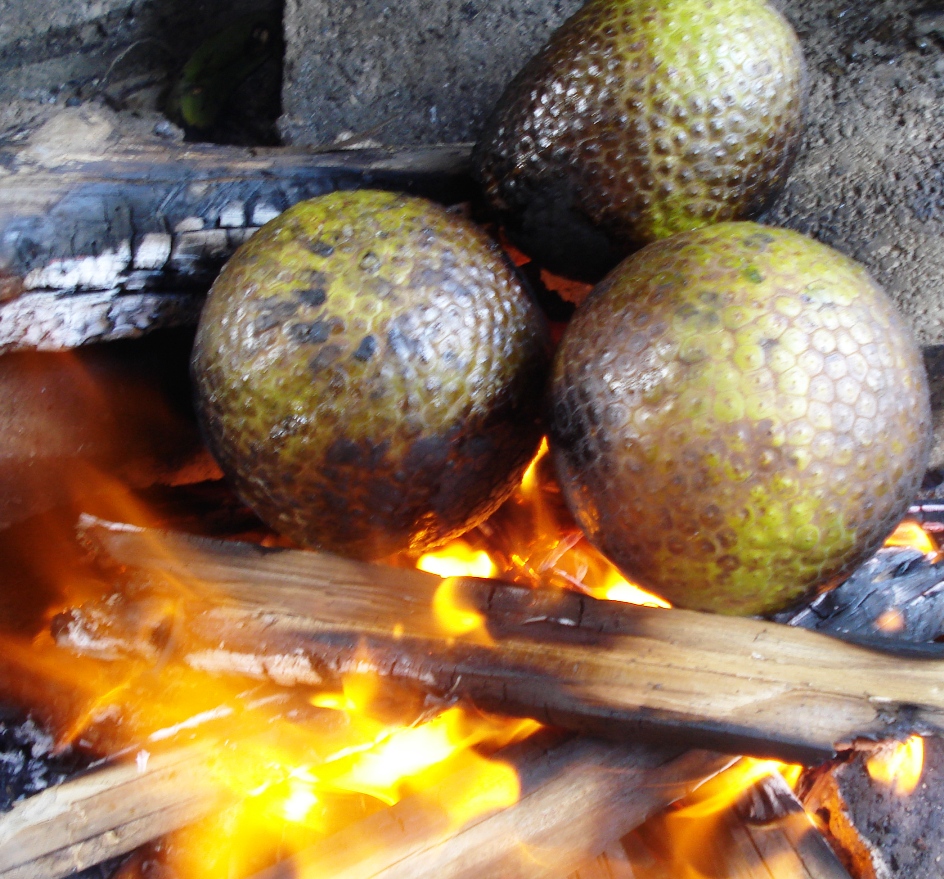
(891, 620)
(898, 765)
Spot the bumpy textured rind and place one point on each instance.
(368, 373)
(640, 119)
(738, 417)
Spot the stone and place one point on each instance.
(406, 72)
(869, 179)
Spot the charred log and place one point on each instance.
(104, 236)
(880, 832)
(896, 600)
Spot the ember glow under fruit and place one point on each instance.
(368, 373)
(641, 119)
(739, 417)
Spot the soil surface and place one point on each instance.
(406, 72)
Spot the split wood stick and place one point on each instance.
(575, 798)
(146, 790)
(105, 813)
(116, 235)
(773, 832)
(731, 684)
(767, 835)
(111, 811)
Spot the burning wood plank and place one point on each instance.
(124, 235)
(764, 833)
(575, 799)
(575, 792)
(739, 685)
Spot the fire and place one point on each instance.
(536, 542)
(909, 533)
(615, 587)
(722, 791)
(458, 560)
(700, 838)
(898, 765)
(294, 767)
(290, 766)
(293, 786)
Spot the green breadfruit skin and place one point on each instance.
(640, 119)
(739, 417)
(368, 373)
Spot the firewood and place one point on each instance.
(575, 799)
(764, 833)
(893, 600)
(121, 236)
(882, 832)
(97, 816)
(574, 791)
(738, 685)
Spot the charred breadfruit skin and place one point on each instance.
(738, 417)
(368, 374)
(639, 120)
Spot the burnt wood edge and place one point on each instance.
(893, 603)
(128, 238)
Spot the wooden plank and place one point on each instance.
(97, 816)
(732, 684)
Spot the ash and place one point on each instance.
(27, 762)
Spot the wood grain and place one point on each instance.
(626, 672)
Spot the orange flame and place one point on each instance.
(546, 548)
(898, 765)
(454, 561)
(458, 559)
(910, 533)
(722, 791)
(694, 839)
